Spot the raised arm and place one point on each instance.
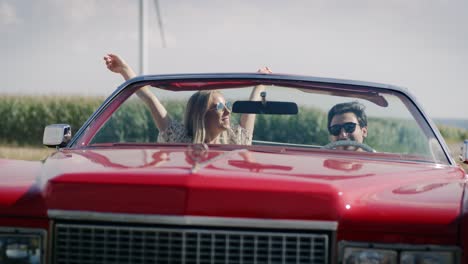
(116, 64)
(247, 121)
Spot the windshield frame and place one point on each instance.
(85, 133)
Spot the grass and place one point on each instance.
(24, 153)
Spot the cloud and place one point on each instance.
(75, 11)
(82, 11)
(8, 14)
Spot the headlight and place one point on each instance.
(362, 255)
(22, 246)
(353, 253)
(425, 257)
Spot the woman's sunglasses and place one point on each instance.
(348, 127)
(220, 107)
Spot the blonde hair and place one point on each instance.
(194, 119)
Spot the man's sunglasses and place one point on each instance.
(220, 107)
(349, 128)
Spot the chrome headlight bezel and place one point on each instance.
(399, 249)
(18, 233)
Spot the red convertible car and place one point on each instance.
(295, 170)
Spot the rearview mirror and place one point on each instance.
(268, 108)
(56, 135)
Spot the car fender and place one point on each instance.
(464, 222)
(20, 194)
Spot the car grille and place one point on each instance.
(76, 243)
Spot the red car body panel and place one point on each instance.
(463, 234)
(20, 195)
(370, 199)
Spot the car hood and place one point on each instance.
(20, 193)
(359, 193)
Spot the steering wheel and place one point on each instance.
(339, 143)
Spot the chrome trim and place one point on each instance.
(56, 135)
(198, 245)
(193, 220)
(22, 230)
(29, 231)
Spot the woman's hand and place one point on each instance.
(116, 64)
(247, 121)
(255, 95)
(264, 70)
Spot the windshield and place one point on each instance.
(375, 121)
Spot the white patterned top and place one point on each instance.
(176, 133)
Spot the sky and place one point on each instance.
(56, 46)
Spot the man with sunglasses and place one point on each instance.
(347, 121)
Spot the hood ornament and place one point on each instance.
(197, 153)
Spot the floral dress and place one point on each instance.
(176, 133)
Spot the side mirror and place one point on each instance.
(56, 135)
(464, 152)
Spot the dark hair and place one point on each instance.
(350, 107)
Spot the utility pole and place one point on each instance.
(143, 37)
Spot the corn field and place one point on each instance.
(24, 119)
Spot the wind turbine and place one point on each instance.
(143, 31)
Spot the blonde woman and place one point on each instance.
(207, 115)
